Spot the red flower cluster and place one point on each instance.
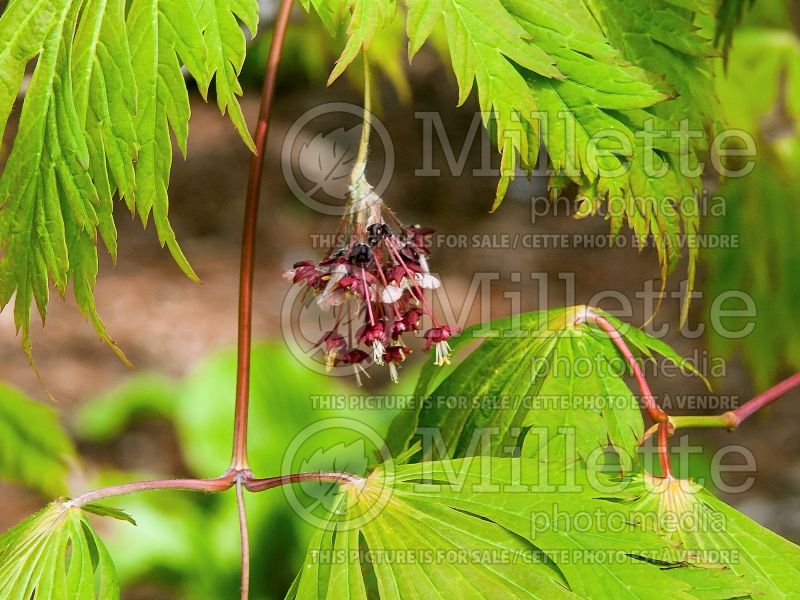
(375, 285)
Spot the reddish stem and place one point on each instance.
(239, 458)
(220, 484)
(245, 540)
(366, 297)
(259, 485)
(663, 449)
(649, 401)
(763, 399)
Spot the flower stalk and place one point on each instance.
(220, 484)
(732, 419)
(656, 413)
(247, 266)
(374, 284)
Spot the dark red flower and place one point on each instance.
(412, 317)
(418, 236)
(398, 328)
(332, 340)
(375, 285)
(395, 354)
(305, 270)
(352, 357)
(369, 334)
(436, 335)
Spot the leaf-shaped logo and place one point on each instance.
(328, 159)
(348, 458)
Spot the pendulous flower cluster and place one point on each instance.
(375, 285)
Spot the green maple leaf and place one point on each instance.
(368, 18)
(55, 554)
(538, 372)
(226, 46)
(472, 529)
(486, 47)
(329, 11)
(582, 76)
(95, 124)
(713, 535)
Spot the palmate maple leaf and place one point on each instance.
(106, 94)
(56, 554)
(569, 73)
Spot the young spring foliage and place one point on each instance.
(620, 94)
(540, 382)
(711, 534)
(504, 522)
(184, 541)
(106, 94)
(465, 528)
(56, 555)
(621, 100)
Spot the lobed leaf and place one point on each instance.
(106, 91)
(476, 528)
(55, 555)
(713, 535)
(368, 18)
(537, 384)
(593, 80)
(226, 48)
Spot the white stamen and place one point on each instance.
(377, 352)
(393, 372)
(443, 352)
(358, 369)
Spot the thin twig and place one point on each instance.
(763, 399)
(360, 165)
(259, 485)
(655, 412)
(239, 453)
(733, 418)
(245, 539)
(648, 400)
(220, 484)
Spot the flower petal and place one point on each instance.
(428, 281)
(391, 293)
